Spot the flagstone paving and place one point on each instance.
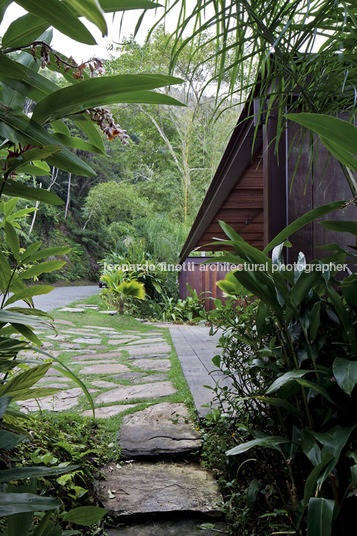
(93, 357)
(108, 411)
(157, 488)
(181, 527)
(133, 392)
(115, 342)
(128, 375)
(162, 431)
(87, 340)
(61, 401)
(152, 349)
(99, 327)
(104, 384)
(105, 369)
(64, 322)
(161, 365)
(72, 310)
(151, 378)
(146, 341)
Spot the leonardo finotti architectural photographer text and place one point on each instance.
(225, 266)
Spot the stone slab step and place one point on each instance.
(132, 392)
(163, 429)
(146, 489)
(185, 527)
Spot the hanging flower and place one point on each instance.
(106, 123)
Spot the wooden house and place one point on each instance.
(252, 191)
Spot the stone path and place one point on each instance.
(195, 349)
(161, 489)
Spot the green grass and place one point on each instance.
(122, 324)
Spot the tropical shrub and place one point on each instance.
(191, 309)
(28, 146)
(291, 360)
(121, 289)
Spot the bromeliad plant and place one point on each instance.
(294, 372)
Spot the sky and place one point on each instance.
(81, 52)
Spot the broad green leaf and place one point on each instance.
(87, 126)
(342, 155)
(18, 473)
(29, 256)
(29, 132)
(319, 518)
(231, 286)
(261, 316)
(59, 16)
(61, 367)
(354, 475)
(280, 403)
(100, 91)
(37, 153)
(12, 239)
(4, 4)
(311, 483)
(301, 222)
(77, 143)
(31, 84)
(85, 515)
(124, 5)
(315, 387)
(341, 226)
(333, 442)
(271, 442)
(348, 332)
(16, 189)
(349, 289)
(9, 206)
(27, 332)
(345, 373)
(310, 447)
(92, 11)
(292, 375)
(29, 293)
(9, 440)
(12, 68)
(21, 214)
(24, 380)
(315, 320)
(14, 503)
(33, 170)
(42, 268)
(4, 402)
(24, 30)
(216, 360)
(10, 316)
(39, 392)
(60, 127)
(306, 282)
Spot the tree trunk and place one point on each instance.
(68, 196)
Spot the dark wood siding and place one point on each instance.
(242, 209)
(202, 278)
(329, 184)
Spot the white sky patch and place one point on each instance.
(117, 29)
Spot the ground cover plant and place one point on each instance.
(77, 444)
(28, 147)
(290, 356)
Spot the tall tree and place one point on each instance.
(187, 137)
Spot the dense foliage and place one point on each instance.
(290, 359)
